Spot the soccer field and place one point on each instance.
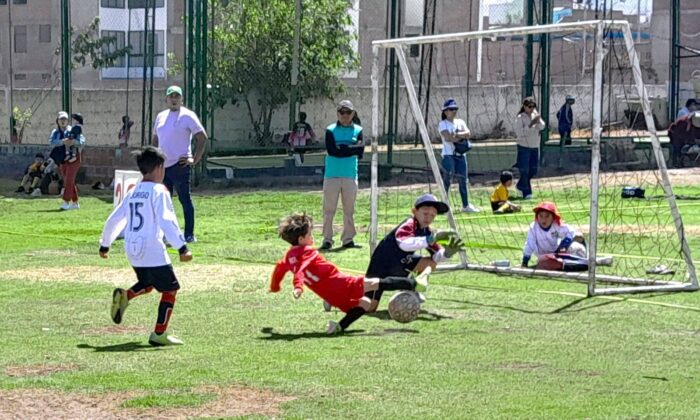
(484, 346)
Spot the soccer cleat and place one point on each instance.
(65, 206)
(327, 306)
(165, 339)
(422, 280)
(333, 328)
(190, 239)
(119, 303)
(421, 297)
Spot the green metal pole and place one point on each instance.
(293, 97)
(65, 56)
(545, 58)
(675, 60)
(151, 63)
(197, 93)
(527, 76)
(205, 73)
(144, 60)
(189, 60)
(393, 79)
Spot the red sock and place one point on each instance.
(137, 291)
(165, 309)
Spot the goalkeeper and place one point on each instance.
(397, 254)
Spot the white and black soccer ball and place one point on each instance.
(404, 306)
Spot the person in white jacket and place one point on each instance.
(528, 125)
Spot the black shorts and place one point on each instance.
(402, 269)
(495, 205)
(161, 278)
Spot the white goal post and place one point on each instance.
(633, 284)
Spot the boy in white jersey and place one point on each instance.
(145, 215)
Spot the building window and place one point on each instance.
(45, 76)
(116, 45)
(113, 4)
(3, 2)
(19, 2)
(140, 4)
(20, 39)
(20, 76)
(413, 49)
(137, 49)
(45, 33)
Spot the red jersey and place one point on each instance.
(322, 277)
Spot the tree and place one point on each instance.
(252, 56)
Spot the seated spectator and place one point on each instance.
(684, 133)
(691, 105)
(50, 175)
(299, 137)
(32, 175)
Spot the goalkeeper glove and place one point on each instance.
(453, 246)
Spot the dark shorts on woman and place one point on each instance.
(161, 278)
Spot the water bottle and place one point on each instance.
(501, 263)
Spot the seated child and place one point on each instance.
(32, 175)
(343, 291)
(397, 254)
(499, 199)
(556, 245)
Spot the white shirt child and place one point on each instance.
(540, 241)
(145, 215)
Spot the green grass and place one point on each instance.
(484, 347)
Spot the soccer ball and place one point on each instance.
(404, 307)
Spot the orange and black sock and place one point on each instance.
(165, 310)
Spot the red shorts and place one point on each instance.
(341, 290)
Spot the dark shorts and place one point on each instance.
(495, 205)
(402, 269)
(161, 278)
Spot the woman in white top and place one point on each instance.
(453, 130)
(528, 125)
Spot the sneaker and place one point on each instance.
(325, 246)
(20, 189)
(333, 328)
(73, 206)
(327, 306)
(422, 280)
(607, 260)
(165, 339)
(119, 304)
(36, 193)
(469, 208)
(190, 239)
(65, 206)
(527, 197)
(351, 244)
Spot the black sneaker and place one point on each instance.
(190, 239)
(351, 244)
(325, 246)
(20, 189)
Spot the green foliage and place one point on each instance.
(21, 120)
(88, 46)
(252, 60)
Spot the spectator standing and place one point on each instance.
(565, 116)
(455, 144)
(345, 146)
(125, 131)
(174, 129)
(61, 140)
(684, 133)
(528, 125)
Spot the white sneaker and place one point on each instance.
(36, 193)
(607, 260)
(73, 206)
(470, 209)
(65, 206)
(421, 298)
(165, 339)
(422, 280)
(528, 197)
(333, 328)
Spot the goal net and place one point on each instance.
(607, 173)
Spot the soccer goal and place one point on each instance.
(609, 177)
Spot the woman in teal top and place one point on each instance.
(345, 146)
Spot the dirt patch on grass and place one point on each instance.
(38, 370)
(228, 402)
(113, 329)
(243, 278)
(520, 366)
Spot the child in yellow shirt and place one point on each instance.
(499, 199)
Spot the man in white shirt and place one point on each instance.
(174, 129)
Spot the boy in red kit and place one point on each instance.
(145, 216)
(343, 291)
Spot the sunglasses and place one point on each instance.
(344, 112)
(530, 105)
(452, 109)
